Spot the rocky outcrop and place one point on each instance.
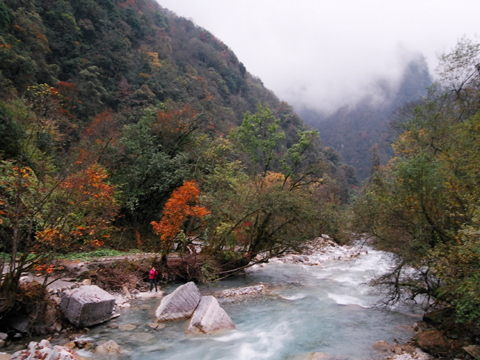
(321, 250)
(432, 341)
(242, 292)
(209, 317)
(42, 350)
(180, 304)
(87, 305)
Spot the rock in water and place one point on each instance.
(108, 348)
(209, 317)
(180, 304)
(382, 345)
(87, 305)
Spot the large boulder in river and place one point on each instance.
(87, 305)
(180, 304)
(209, 317)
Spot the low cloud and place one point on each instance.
(325, 54)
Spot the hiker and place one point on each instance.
(153, 279)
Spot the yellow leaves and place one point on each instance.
(154, 61)
(144, 76)
(273, 178)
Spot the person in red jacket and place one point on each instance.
(153, 279)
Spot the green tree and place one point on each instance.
(255, 210)
(153, 161)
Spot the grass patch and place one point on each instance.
(5, 257)
(99, 253)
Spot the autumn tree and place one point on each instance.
(179, 214)
(47, 206)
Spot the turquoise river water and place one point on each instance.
(326, 309)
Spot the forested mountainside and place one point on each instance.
(124, 126)
(127, 54)
(361, 133)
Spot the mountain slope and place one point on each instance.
(125, 55)
(357, 132)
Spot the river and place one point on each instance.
(325, 308)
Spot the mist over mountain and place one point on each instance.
(358, 131)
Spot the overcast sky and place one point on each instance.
(328, 53)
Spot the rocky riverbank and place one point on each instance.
(431, 337)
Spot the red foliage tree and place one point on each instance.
(180, 209)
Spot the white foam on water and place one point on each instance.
(323, 275)
(265, 344)
(231, 336)
(293, 297)
(84, 338)
(347, 279)
(347, 300)
(85, 354)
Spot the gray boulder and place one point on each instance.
(209, 317)
(87, 305)
(180, 304)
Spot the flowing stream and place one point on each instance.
(326, 309)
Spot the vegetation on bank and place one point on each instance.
(424, 204)
(126, 127)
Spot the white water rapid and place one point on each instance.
(326, 308)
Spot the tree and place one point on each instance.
(423, 205)
(255, 210)
(153, 161)
(47, 207)
(179, 214)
